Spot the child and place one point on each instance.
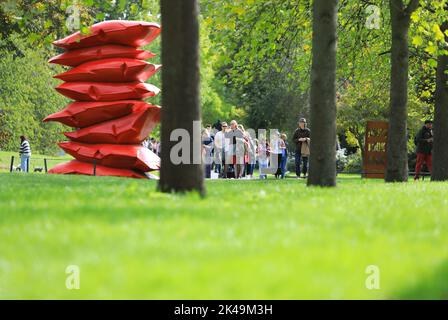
(263, 157)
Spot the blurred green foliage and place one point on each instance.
(27, 95)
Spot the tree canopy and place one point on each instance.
(255, 57)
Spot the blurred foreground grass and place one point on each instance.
(246, 240)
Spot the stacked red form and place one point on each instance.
(108, 84)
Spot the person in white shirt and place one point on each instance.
(277, 145)
(145, 143)
(221, 145)
(234, 136)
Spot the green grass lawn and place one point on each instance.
(246, 240)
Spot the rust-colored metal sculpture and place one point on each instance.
(375, 152)
(108, 86)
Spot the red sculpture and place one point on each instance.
(128, 33)
(74, 58)
(130, 129)
(115, 156)
(108, 86)
(80, 114)
(84, 168)
(104, 91)
(111, 70)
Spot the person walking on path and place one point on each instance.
(263, 157)
(252, 155)
(235, 137)
(25, 154)
(207, 146)
(277, 145)
(220, 148)
(284, 155)
(423, 141)
(302, 139)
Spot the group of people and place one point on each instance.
(229, 151)
(153, 145)
(232, 152)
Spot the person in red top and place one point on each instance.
(424, 140)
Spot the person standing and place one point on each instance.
(152, 145)
(25, 154)
(242, 153)
(145, 143)
(424, 140)
(252, 155)
(159, 149)
(276, 150)
(302, 139)
(263, 157)
(284, 148)
(220, 148)
(217, 127)
(234, 136)
(207, 145)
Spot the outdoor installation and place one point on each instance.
(107, 82)
(375, 155)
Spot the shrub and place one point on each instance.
(354, 163)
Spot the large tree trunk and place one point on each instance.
(397, 148)
(440, 152)
(323, 94)
(180, 94)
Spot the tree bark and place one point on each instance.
(397, 148)
(180, 93)
(323, 94)
(440, 150)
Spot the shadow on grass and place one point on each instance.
(432, 286)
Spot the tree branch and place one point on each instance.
(412, 6)
(385, 52)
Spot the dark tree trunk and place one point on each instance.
(440, 151)
(397, 149)
(323, 94)
(180, 93)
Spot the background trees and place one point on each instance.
(264, 57)
(26, 96)
(255, 61)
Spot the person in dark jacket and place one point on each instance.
(301, 139)
(424, 140)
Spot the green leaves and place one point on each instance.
(100, 16)
(417, 41)
(432, 63)
(431, 48)
(27, 97)
(438, 34)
